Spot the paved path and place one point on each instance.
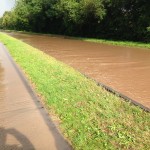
(24, 124)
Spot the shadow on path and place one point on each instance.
(24, 143)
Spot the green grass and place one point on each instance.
(119, 43)
(104, 41)
(90, 117)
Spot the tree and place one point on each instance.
(92, 13)
(117, 19)
(126, 19)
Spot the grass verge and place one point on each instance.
(91, 118)
(119, 43)
(104, 41)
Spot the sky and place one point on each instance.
(6, 5)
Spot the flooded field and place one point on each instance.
(127, 70)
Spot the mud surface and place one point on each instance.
(127, 70)
(24, 124)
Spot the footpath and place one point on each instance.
(24, 123)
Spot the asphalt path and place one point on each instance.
(24, 123)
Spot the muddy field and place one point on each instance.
(127, 70)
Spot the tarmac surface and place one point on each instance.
(24, 123)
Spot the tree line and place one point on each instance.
(109, 19)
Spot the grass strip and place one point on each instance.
(119, 43)
(90, 117)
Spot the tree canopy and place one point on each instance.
(112, 19)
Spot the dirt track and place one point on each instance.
(126, 70)
(24, 124)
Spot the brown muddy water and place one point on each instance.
(126, 70)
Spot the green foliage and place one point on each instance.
(127, 19)
(90, 117)
(1, 19)
(93, 9)
(5, 21)
(68, 10)
(113, 19)
(68, 13)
